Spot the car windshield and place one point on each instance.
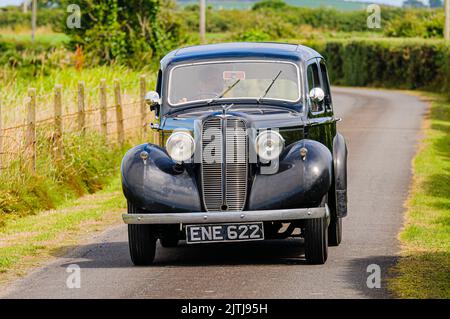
(217, 81)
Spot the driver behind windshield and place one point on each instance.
(211, 82)
(211, 85)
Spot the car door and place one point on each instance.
(321, 124)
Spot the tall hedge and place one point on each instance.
(390, 63)
(45, 17)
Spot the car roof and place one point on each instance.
(262, 50)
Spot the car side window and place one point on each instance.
(325, 84)
(314, 82)
(158, 82)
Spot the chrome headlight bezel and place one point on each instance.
(187, 143)
(262, 147)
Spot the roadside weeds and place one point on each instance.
(29, 241)
(423, 270)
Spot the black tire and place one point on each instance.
(335, 227)
(142, 241)
(335, 231)
(169, 242)
(316, 238)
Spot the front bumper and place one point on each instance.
(228, 216)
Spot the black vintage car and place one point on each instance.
(247, 150)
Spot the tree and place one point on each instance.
(127, 31)
(269, 4)
(436, 3)
(413, 4)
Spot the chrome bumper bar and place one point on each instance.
(227, 216)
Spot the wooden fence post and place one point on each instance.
(30, 138)
(143, 91)
(58, 145)
(119, 114)
(103, 109)
(81, 108)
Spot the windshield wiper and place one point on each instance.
(269, 87)
(222, 94)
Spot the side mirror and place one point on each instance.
(152, 99)
(317, 95)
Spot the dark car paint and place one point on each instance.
(160, 185)
(298, 183)
(157, 185)
(340, 171)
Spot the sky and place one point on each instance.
(391, 2)
(9, 2)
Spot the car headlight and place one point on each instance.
(269, 145)
(180, 146)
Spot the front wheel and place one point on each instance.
(141, 241)
(335, 231)
(335, 227)
(316, 240)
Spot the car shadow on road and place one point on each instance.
(361, 273)
(116, 255)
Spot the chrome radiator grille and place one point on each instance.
(224, 174)
(236, 164)
(212, 177)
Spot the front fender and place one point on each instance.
(298, 182)
(156, 184)
(340, 174)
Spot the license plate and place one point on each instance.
(224, 232)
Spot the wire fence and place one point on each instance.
(117, 113)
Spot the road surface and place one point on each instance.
(382, 130)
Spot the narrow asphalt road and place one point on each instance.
(382, 130)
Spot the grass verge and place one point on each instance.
(87, 165)
(423, 270)
(42, 34)
(28, 241)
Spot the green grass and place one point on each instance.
(49, 38)
(337, 4)
(423, 271)
(89, 160)
(15, 86)
(87, 166)
(42, 212)
(43, 34)
(29, 240)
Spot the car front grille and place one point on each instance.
(224, 170)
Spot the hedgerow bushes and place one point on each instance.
(278, 19)
(390, 63)
(30, 59)
(14, 18)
